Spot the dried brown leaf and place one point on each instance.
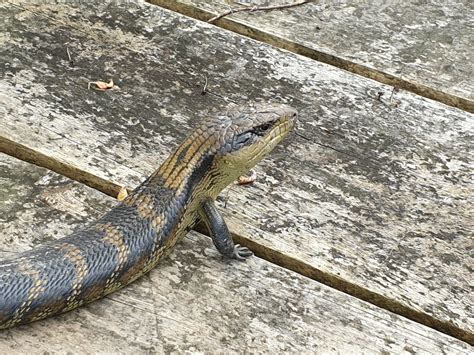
(101, 85)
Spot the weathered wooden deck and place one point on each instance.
(362, 221)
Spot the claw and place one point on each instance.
(241, 253)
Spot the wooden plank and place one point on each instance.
(415, 46)
(374, 202)
(194, 301)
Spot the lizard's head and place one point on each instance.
(249, 134)
(226, 146)
(244, 136)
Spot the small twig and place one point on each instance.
(204, 90)
(226, 198)
(256, 8)
(71, 62)
(394, 91)
(394, 103)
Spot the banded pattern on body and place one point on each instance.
(131, 238)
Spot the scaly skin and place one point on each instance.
(130, 239)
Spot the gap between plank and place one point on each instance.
(29, 155)
(277, 41)
(278, 258)
(107, 187)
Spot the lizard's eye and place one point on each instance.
(260, 130)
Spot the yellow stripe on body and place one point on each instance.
(74, 255)
(113, 236)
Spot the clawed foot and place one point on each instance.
(241, 253)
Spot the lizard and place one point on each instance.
(130, 239)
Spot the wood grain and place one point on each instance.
(376, 195)
(414, 46)
(194, 301)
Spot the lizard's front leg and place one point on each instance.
(220, 233)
